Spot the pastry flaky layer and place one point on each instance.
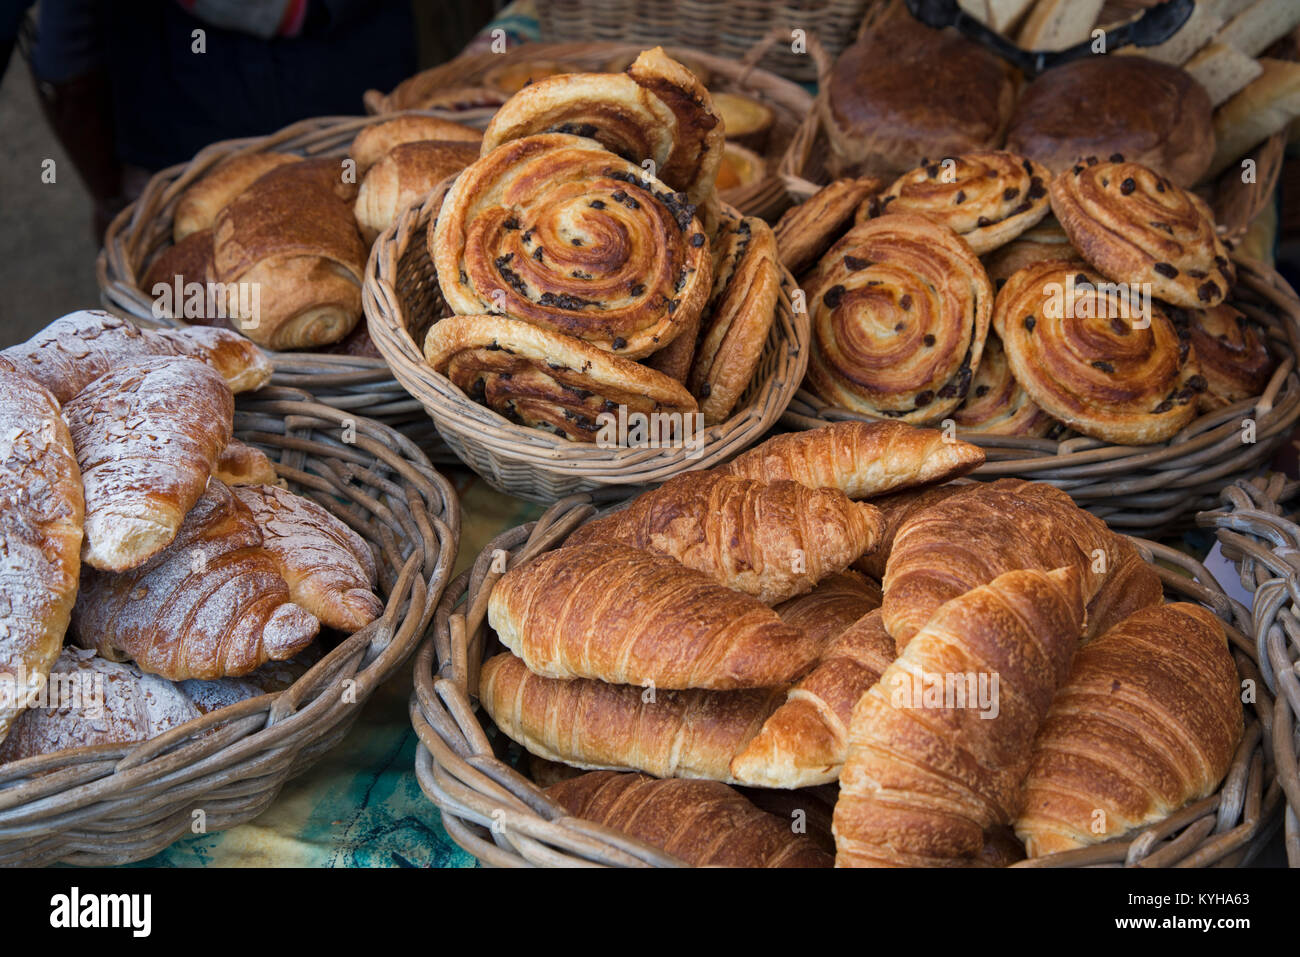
(1096, 355)
(900, 310)
(1231, 353)
(591, 724)
(1137, 227)
(704, 823)
(627, 616)
(147, 436)
(804, 232)
(770, 540)
(212, 604)
(40, 538)
(927, 774)
(997, 404)
(1147, 722)
(544, 379)
(557, 231)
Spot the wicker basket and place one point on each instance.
(118, 803)
(357, 384)
(502, 818)
(723, 29)
(1263, 542)
(402, 300)
(1149, 488)
(789, 102)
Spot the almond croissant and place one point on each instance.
(1147, 722)
(939, 747)
(770, 540)
(633, 617)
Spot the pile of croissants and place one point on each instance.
(952, 294)
(172, 553)
(968, 673)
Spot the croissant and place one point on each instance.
(805, 741)
(405, 174)
(377, 140)
(1147, 722)
(147, 436)
(938, 752)
(770, 540)
(240, 464)
(704, 823)
(591, 724)
(75, 350)
(633, 617)
(199, 205)
(328, 567)
(895, 509)
(974, 535)
(41, 515)
(861, 459)
(210, 605)
(836, 603)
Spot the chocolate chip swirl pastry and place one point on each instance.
(1136, 226)
(1112, 368)
(545, 380)
(656, 111)
(806, 231)
(997, 404)
(557, 231)
(1232, 354)
(987, 197)
(1040, 243)
(900, 309)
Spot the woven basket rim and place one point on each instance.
(502, 818)
(120, 803)
(454, 412)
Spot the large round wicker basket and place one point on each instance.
(1264, 543)
(402, 299)
(790, 103)
(501, 817)
(357, 384)
(1144, 489)
(114, 804)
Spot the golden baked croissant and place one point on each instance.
(805, 741)
(75, 350)
(704, 823)
(198, 206)
(328, 567)
(41, 514)
(770, 540)
(406, 173)
(937, 751)
(861, 459)
(210, 605)
(895, 509)
(837, 602)
(1089, 355)
(147, 436)
(804, 232)
(634, 617)
(983, 530)
(377, 139)
(240, 464)
(1137, 227)
(591, 724)
(557, 231)
(1148, 721)
(900, 309)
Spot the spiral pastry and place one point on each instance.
(987, 197)
(1135, 226)
(557, 231)
(900, 309)
(997, 404)
(1232, 355)
(1080, 350)
(1041, 243)
(545, 380)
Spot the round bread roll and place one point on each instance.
(904, 92)
(900, 310)
(372, 143)
(402, 176)
(1152, 113)
(1137, 227)
(1103, 364)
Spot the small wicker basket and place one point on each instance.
(502, 818)
(789, 102)
(1264, 543)
(1148, 488)
(402, 299)
(113, 804)
(358, 384)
